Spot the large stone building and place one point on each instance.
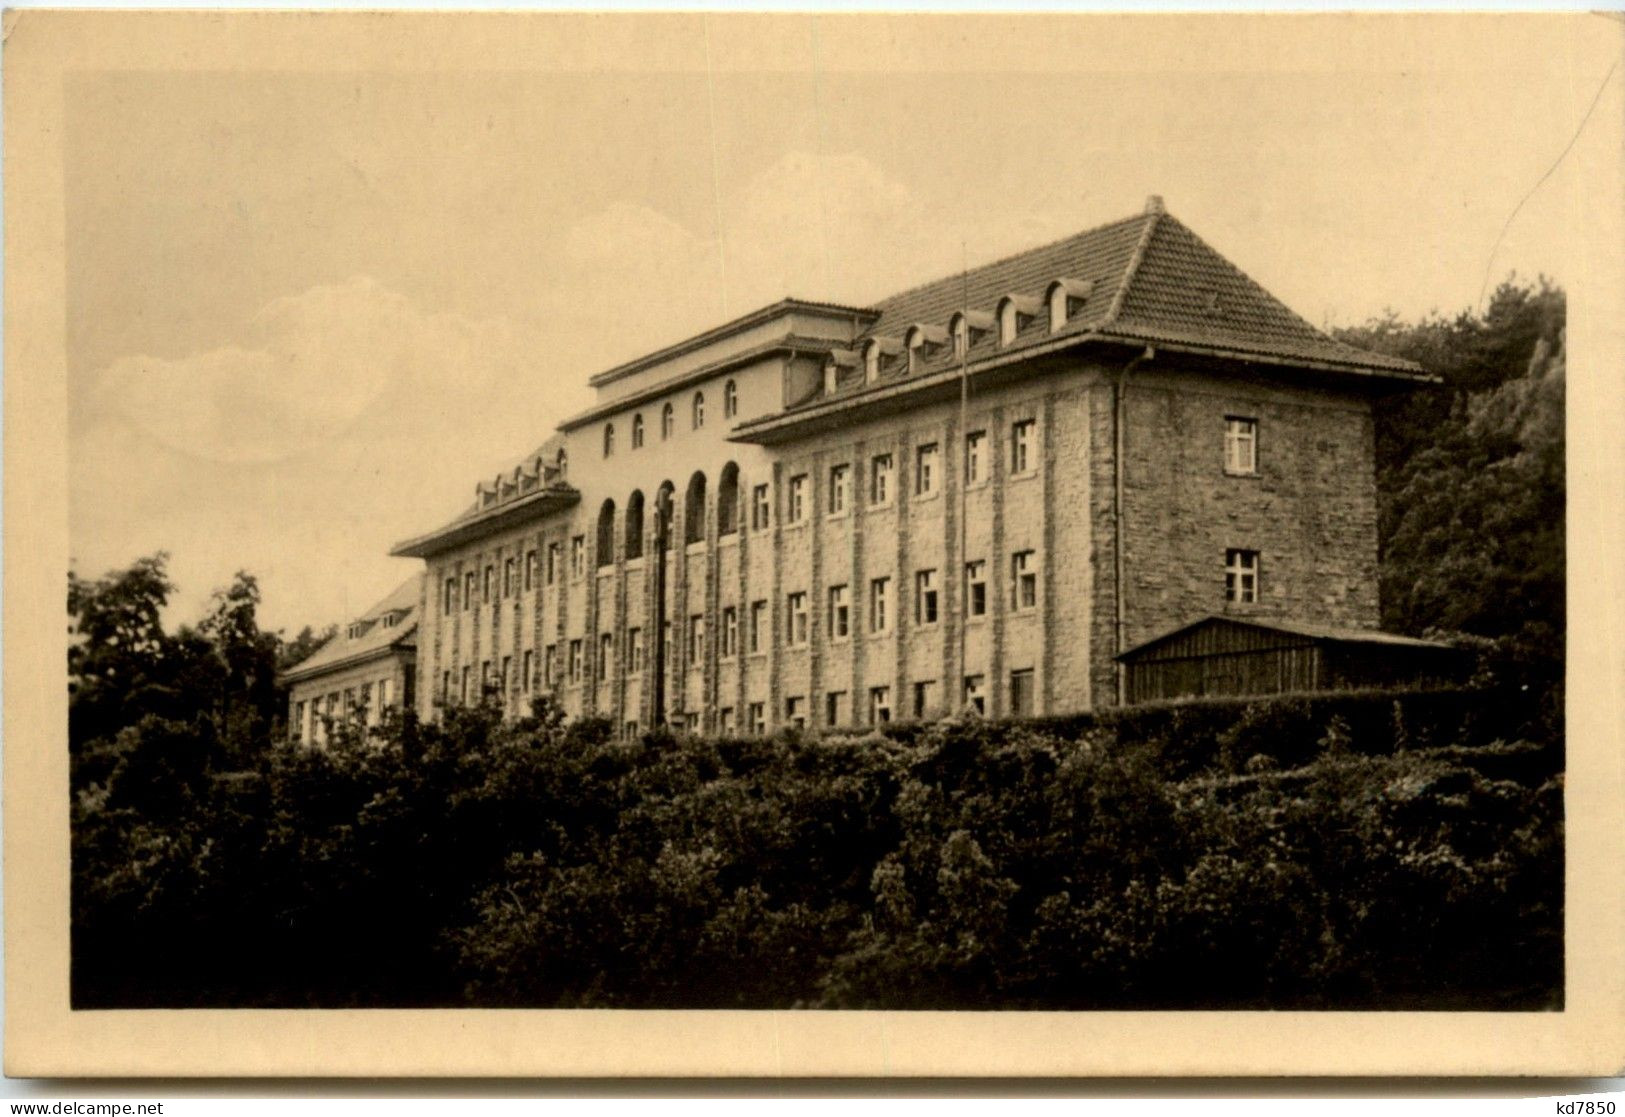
(978, 491)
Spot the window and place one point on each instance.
(699, 410)
(761, 512)
(795, 710)
(385, 693)
(696, 639)
(879, 618)
(445, 686)
(840, 613)
(1241, 576)
(637, 431)
(634, 650)
(1022, 458)
(489, 583)
(879, 705)
(925, 470)
(728, 500)
(925, 597)
(527, 670)
(469, 586)
(550, 664)
(758, 625)
(507, 673)
(606, 652)
(450, 601)
(725, 716)
(880, 479)
(871, 362)
(729, 640)
(798, 498)
(1240, 445)
(667, 422)
(666, 649)
(1021, 693)
(563, 465)
(835, 707)
(468, 677)
(839, 477)
(796, 630)
(552, 563)
(730, 400)
(976, 693)
(510, 577)
(575, 661)
(924, 697)
(1023, 581)
(578, 555)
(976, 588)
(530, 570)
(609, 439)
(758, 718)
(975, 457)
(298, 717)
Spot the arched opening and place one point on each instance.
(609, 439)
(730, 400)
(637, 431)
(694, 510)
(665, 500)
(633, 546)
(665, 422)
(728, 500)
(606, 534)
(564, 465)
(699, 410)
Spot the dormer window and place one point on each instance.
(922, 343)
(609, 439)
(665, 422)
(1066, 298)
(637, 431)
(1013, 313)
(960, 329)
(356, 629)
(488, 496)
(388, 620)
(730, 400)
(699, 410)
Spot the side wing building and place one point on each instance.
(978, 492)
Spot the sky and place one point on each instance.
(308, 308)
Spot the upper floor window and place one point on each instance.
(879, 614)
(728, 638)
(552, 563)
(699, 410)
(758, 625)
(1022, 457)
(761, 511)
(840, 612)
(609, 439)
(530, 569)
(1241, 576)
(798, 498)
(880, 479)
(1066, 298)
(925, 597)
(578, 555)
(489, 583)
(730, 400)
(976, 588)
(1240, 445)
(470, 584)
(925, 470)
(637, 431)
(796, 629)
(510, 577)
(665, 422)
(839, 479)
(450, 601)
(1023, 581)
(975, 457)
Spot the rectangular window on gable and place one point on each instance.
(1240, 445)
(1241, 576)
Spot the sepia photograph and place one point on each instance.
(973, 515)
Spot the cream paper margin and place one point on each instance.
(44, 1038)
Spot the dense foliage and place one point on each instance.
(1407, 855)
(1365, 850)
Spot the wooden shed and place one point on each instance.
(1228, 655)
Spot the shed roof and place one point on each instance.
(1288, 627)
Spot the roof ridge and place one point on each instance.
(990, 264)
(1133, 268)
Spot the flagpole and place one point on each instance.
(964, 472)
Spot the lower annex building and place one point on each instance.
(976, 492)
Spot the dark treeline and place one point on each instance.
(1344, 851)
